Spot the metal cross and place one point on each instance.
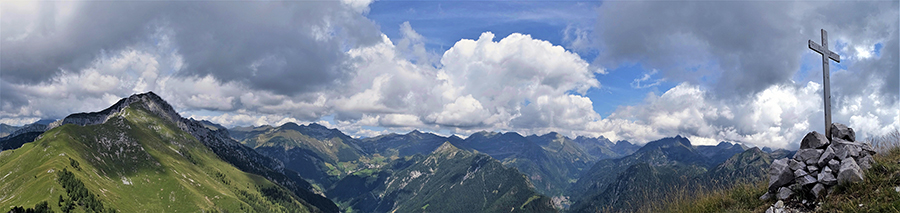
(826, 54)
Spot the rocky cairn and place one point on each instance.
(820, 164)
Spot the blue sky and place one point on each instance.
(712, 71)
(444, 23)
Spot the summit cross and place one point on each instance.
(826, 54)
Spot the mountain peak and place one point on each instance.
(148, 100)
(315, 125)
(446, 147)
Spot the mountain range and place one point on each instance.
(140, 147)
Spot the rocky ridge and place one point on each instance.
(219, 141)
(819, 164)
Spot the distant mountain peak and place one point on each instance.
(445, 148)
(290, 125)
(316, 125)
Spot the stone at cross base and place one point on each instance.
(820, 164)
(843, 132)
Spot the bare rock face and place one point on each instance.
(843, 132)
(814, 140)
(850, 171)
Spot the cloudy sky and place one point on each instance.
(636, 70)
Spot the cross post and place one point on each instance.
(826, 54)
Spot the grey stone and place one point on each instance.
(866, 162)
(834, 164)
(766, 196)
(806, 180)
(843, 132)
(779, 174)
(827, 155)
(827, 169)
(814, 140)
(844, 149)
(800, 173)
(796, 165)
(827, 178)
(808, 156)
(850, 171)
(818, 190)
(784, 193)
(814, 174)
(866, 147)
(812, 168)
(779, 204)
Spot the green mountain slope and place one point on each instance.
(645, 184)
(608, 183)
(320, 154)
(135, 161)
(447, 180)
(638, 185)
(551, 161)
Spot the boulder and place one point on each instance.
(812, 168)
(806, 180)
(850, 171)
(867, 148)
(827, 178)
(779, 174)
(843, 132)
(827, 155)
(808, 155)
(784, 193)
(796, 165)
(814, 140)
(800, 173)
(766, 196)
(866, 162)
(818, 190)
(827, 169)
(834, 164)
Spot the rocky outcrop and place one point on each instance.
(820, 164)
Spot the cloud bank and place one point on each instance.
(741, 78)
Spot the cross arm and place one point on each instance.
(818, 48)
(834, 56)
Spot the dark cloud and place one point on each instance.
(283, 47)
(35, 50)
(743, 46)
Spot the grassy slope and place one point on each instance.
(338, 159)
(162, 170)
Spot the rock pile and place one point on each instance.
(820, 164)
